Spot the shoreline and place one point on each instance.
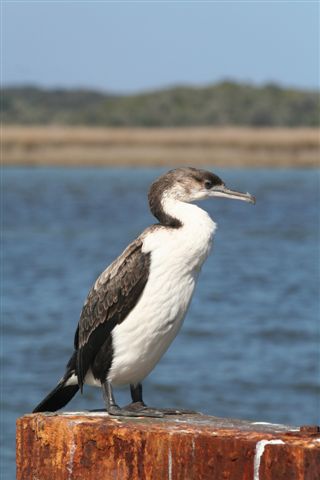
(221, 147)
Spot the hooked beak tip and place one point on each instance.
(251, 199)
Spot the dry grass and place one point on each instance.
(57, 145)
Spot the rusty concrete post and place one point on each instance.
(92, 445)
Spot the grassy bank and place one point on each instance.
(95, 146)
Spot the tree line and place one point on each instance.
(225, 103)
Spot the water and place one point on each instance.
(249, 345)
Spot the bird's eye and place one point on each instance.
(208, 184)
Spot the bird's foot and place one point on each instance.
(175, 411)
(143, 410)
(161, 412)
(136, 409)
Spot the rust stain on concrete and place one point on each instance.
(88, 445)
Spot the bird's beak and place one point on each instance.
(223, 191)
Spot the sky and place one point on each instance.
(132, 46)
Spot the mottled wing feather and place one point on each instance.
(112, 297)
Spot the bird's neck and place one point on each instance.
(181, 214)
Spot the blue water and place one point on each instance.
(249, 347)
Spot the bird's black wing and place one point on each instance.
(112, 297)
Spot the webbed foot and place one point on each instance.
(177, 411)
(143, 411)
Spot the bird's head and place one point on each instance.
(190, 184)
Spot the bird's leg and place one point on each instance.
(136, 395)
(114, 409)
(110, 403)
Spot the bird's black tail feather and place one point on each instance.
(57, 398)
(62, 393)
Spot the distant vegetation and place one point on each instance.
(223, 104)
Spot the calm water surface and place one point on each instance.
(249, 345)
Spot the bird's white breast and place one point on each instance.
(176, 258)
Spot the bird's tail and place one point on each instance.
(63, 392)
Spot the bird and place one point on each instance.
(137, 305)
